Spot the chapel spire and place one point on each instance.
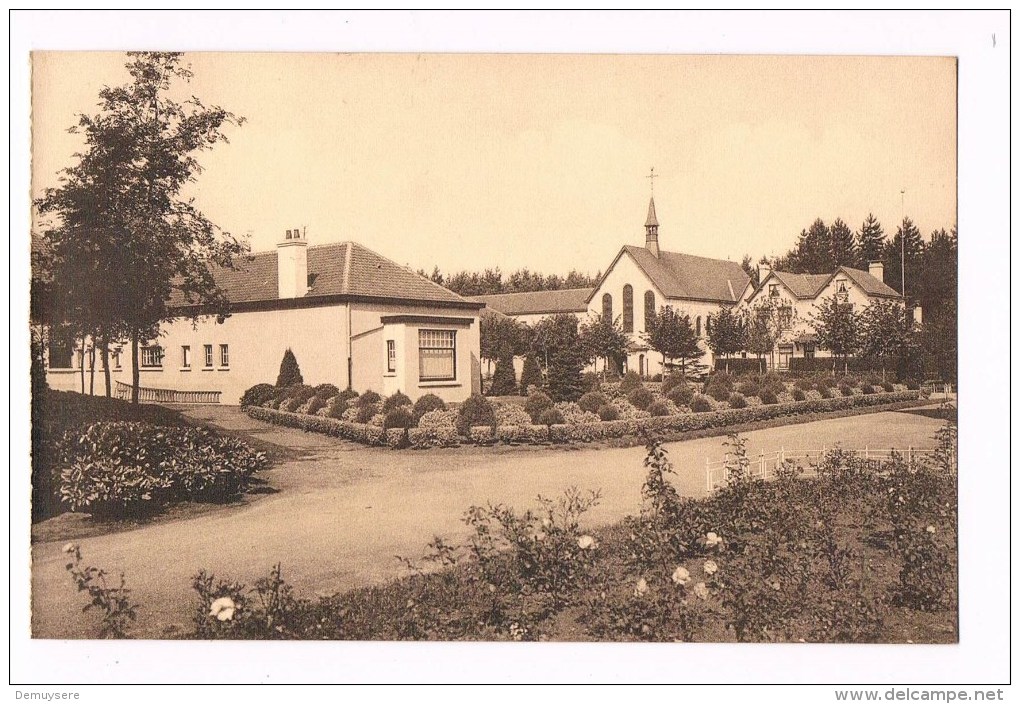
(652, 222)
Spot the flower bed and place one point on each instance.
(437, 429)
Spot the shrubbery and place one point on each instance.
(671, 382)
(531, 375)
(475, 411)
(592, 401)
(399, 417)
(737, 400)
(258, 394)
(768, 397)
(701, 404)
(681, 395)
(368, 398)
(641, 398)
(631, 380)
(551, 416)
(798, 394)
(290, 373)
(608, 413)
(397, 400)
(658, 409)
(120, 469)
(428, 402)
(366, 411)
(504, 380)
(536, 403)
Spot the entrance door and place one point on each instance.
(785, 353)
(641, 366)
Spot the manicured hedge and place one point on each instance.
(584, 432)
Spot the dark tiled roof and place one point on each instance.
(869, 284)
(570, 300)
(803, 285)
(340, 269)
(686, 276)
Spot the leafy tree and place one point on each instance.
(870, 242)
(885, 333)
(841, 244)
(504, 380)
(761, 329)
(290, 372)
(672, 335)
(557, 338)
(123, 202)
(837, 327)
(605, 339)
(726, 334)
(939, 342)
(531, 375)
(501, 336)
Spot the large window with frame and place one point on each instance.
(152, 356)
(391, 356)
(607, 307)
(437, 355)
(61, 351)
(649, 309)
(628, 308)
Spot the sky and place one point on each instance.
(541, 161)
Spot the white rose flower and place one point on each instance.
(223, 608)
(681, 576)
(586, 542)
(701, 590)
(642, 587)
(710, 567)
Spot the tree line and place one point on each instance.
(493, 281)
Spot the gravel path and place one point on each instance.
(343, 512)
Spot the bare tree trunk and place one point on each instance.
(135, 374)
(81, 364)
(92, 369)
(105, 352)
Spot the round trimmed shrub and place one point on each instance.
(749, 388)
(846, 390)
(681, 395)
(326, 391)
(867, 389)
(720, 379)
(608, 412)
(369, 398)
(537, 402)
(296, 397)
(799, 395)
(658, 409)
(887, 386)
(590, 382)
(397, 400)
(315, 404)
(718, 392)
(399, 417)
(773, 382)
(804, 384)
(366, 412)
(551, 416)
(737, 400)
(345, 396)
(768, 397)
(913, 385)
(476, 410)
(258, 394)
(641, 398)
(701, 404)
(671, 382)
(592, 401)
(428, 402)
(631, 380)
(825, 391)
(827, 381)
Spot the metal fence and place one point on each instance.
(148, 395)
(764, 464)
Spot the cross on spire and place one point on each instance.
(651, 179)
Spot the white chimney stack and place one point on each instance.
(292, 263)
(877, 269)
(764, 269)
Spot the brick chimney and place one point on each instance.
(292, 263)
(877, 269)
(764, 269)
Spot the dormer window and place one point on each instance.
(841, 289)
(773, 290)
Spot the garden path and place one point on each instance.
(343, 511)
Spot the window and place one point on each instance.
(115, 354)
(437, 355)
(809, 350)
(152, 356)
(628, 308)
(785, 317)
(697, 326)
(61, 351)
(224, 355)
(841, 289)
(649, 309)
(391, 356)
(607, 307)
(774, 290)
(208, 356)
(186, 356)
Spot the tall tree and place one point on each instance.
(837, 328)
(672, 335)
(124, 197)
(761, 323)
(870, 242)
(726, 334)
(604, 339)
(557, 339)
(886, 333)
(841, 245)
(812, 254)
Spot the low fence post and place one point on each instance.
(708, 476)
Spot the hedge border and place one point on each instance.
(421, 438)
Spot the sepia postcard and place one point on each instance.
(529, 347)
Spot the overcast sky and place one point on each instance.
(472, 161)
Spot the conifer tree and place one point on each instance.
(290, 373)
(870, 243)
(841, 245)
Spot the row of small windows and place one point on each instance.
(153, 356)
(628, 309)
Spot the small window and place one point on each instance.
(61, 351)
(809, 350)
(208, 356)
(437, 355)
(391, 355)
(186, 356)
(115, 355)
(224, 355)
(152, 356)
(840, 285)
(774, 290)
